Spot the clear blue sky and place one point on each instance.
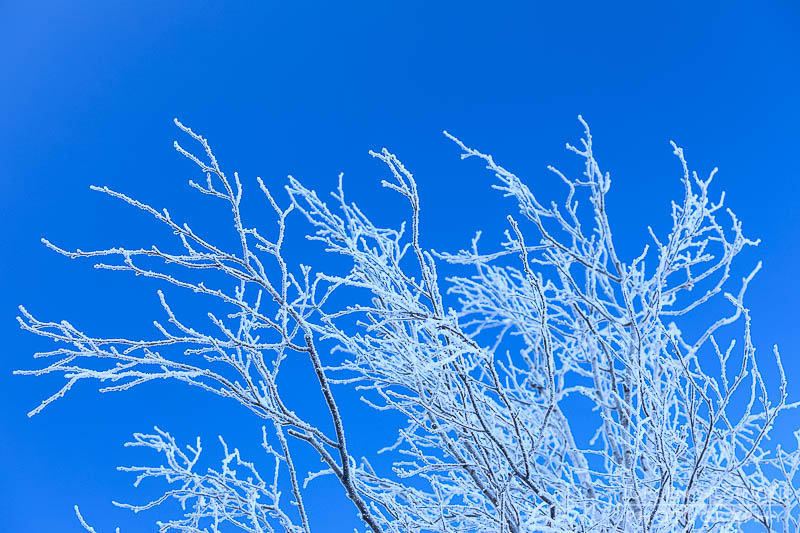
(89, 90)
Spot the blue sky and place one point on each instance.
(90, 89)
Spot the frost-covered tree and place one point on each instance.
(480, 364)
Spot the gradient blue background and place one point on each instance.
(89, 90)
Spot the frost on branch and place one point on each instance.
(483, 362)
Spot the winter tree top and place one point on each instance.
(479, 363)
